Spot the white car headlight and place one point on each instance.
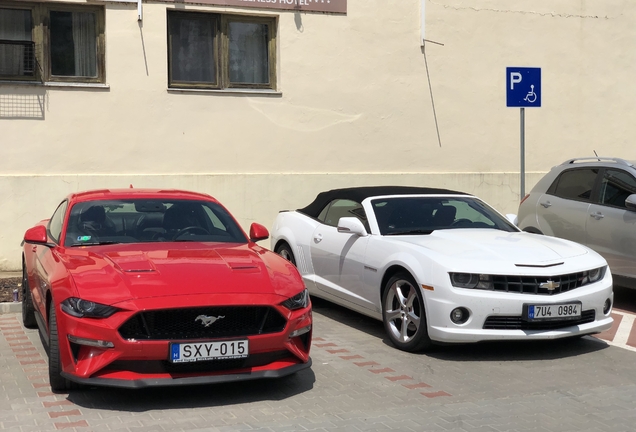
(472, 280)
(595, 275)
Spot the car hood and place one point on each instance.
(110, 274)
(518, 248)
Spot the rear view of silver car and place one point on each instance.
(591, 201)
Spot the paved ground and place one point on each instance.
(358, 382)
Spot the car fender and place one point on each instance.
(295, 229)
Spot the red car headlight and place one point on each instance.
(299, 301)
(80, 308)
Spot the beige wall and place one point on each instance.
(355, 108)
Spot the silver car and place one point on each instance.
(591, 201)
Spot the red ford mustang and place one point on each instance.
(134, 288)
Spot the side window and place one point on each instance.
(56, 222)
(344, 208)
(576, 184)
(616, 186)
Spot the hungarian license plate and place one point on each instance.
(546, 312)
(202, 351)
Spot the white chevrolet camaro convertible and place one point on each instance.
(442, 266)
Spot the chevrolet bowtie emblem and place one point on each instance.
(550, 285)
(207, 321)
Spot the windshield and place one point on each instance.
(423, 215)
(148, 220)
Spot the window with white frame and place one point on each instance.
(219, 51)
(51, 42)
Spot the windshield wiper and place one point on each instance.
(100, 243)
(417, 231)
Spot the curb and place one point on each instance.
(10, 307)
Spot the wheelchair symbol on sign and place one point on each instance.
(531, 96)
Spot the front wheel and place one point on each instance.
(59, 384)
(28, 311)
(403, 314)
(285, 251)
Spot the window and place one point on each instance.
(343, 208)
(207, 50)
(56, 222)
(52, 43)
(616, 186)
(575, 184)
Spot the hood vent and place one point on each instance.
(539, 265)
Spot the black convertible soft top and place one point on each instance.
(359, 194)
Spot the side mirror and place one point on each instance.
(351, 225)
(630, 202)
(512, 218)
(36, 235)
(258, 232)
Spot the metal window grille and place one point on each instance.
(17, 58)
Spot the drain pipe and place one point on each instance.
(423, 24)
(139, 11)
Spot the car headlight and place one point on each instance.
(595, 275)
(299, 301)
(80, 308)
(471, 280)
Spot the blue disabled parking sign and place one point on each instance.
(523, 87)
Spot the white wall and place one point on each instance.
(355, 108)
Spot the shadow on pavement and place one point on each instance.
(483, 351)
(217, 395)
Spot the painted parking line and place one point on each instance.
(623, 331)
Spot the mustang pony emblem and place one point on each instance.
(207, 321)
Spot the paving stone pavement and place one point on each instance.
(358, 382)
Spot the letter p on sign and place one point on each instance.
(515, 78)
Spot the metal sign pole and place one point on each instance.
(523, 153)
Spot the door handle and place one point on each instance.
(597, 216)
(546, 204)
(318, 238)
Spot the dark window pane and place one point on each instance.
(249, 56)
(192, 48)
(576, 184)
(616, 187)
(16, 58)
(73, 44)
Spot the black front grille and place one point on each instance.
(517, 323)
(190, 323)
(163, 366)
(532, 284)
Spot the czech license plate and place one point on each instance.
(202, 351)
(553, 311)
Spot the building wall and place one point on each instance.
(360, 102)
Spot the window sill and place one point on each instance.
(253, 92)
(54, 84)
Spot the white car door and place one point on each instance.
(611, 228)
(338, 258)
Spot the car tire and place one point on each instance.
(285, 251)
(403, 314)
(28, 310)
(58, 383)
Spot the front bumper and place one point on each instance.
(137, 363)
(142, 382)
(501, 305)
